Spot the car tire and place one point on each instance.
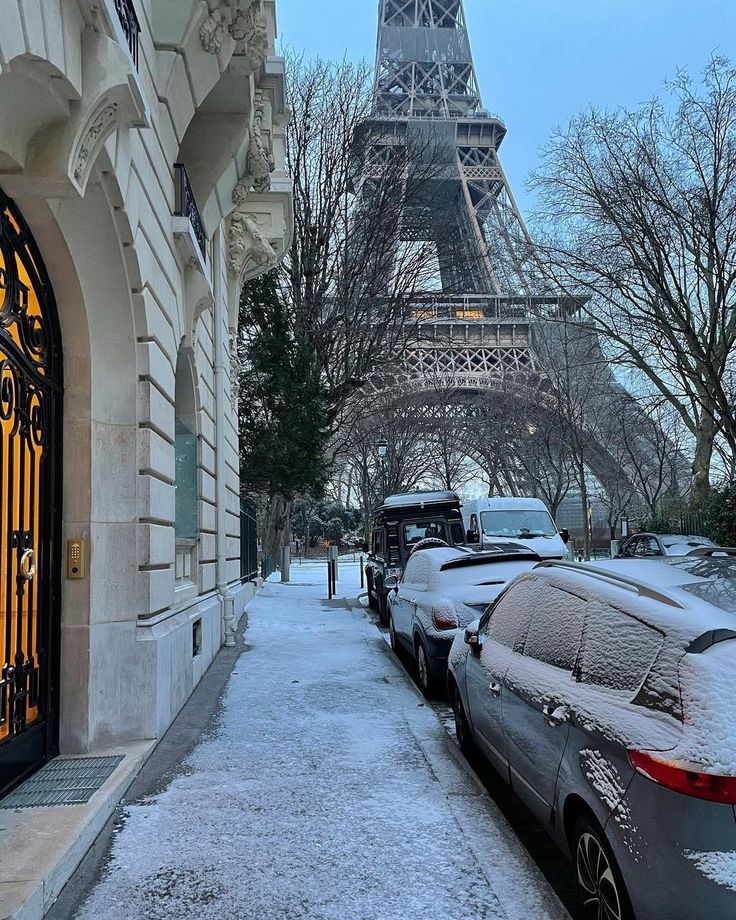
(383, 609)
(393, 638)
(426, 679)
(463, 732)
(372, 599)
(601, 886)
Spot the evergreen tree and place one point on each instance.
(282, 415)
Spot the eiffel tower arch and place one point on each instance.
(487, 330)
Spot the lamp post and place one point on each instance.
(382, 450)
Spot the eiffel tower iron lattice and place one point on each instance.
(488, 326)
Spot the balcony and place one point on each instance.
(186, 206)
(131, 26)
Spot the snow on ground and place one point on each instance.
(326, 789)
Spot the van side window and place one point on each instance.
(618, 650)
(556, 627)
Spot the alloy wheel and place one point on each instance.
(422, 667)
(596, 881)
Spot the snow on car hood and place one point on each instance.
(547, 547)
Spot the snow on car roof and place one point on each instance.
(699, 599)
(419, 498)
(506, 503)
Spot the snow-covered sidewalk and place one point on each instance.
(326, 789)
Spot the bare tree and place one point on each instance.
(348, 281)
(641, 211)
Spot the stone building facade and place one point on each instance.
(141, 182)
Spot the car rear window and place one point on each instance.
(617, 649)
(555, 629)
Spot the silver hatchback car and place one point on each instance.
(606, 696)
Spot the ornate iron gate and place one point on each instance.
(30, 445)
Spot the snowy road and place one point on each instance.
(326, 789)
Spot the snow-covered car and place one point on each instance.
(661, 544)
(441, 591)
(606, 696)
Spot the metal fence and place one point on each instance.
(248, 542)
(695, 524)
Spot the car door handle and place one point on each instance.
(555, 715)
(495, 688)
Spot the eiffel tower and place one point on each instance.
(490, 332)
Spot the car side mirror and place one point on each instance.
(565, 535)
(472, 636)
(472, 536)
(391, 582)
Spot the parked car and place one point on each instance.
(606, 696)
(661, 544)
(441, 591)
(397, 526)
(515, 520)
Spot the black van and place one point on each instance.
(397, 526)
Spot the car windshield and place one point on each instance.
(517, 523)
(718, 574)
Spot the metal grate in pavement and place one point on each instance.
(63, 781)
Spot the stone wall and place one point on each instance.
(91, 127)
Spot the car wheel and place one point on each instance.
(383, 610)
(372, 599)
(394, 639)
(427, 680)
(600, 884)
(463, 732)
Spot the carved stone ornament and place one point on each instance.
(93, 137)
(260, 163)
(241, 20)
(247, 244)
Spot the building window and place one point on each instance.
(186, 524)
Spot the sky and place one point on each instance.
(539, 62)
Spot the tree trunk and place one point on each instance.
(276, 530)
(586, 514)
(700, 484)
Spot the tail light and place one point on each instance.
(687, 778)
(444, 617)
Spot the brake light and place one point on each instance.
(444, 617)
(687, 778)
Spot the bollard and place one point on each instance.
(361, 573)
(285, 563)
(329, 580)
(334, 577)
(332, 556)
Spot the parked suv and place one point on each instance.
(606, 696)
(396, 528)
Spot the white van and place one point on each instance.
(523, 521)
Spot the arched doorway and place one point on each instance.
(30, 513)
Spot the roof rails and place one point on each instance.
(614, 578)
(713, 551)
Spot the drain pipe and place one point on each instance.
(221, 395)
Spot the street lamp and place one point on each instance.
(382, 450)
